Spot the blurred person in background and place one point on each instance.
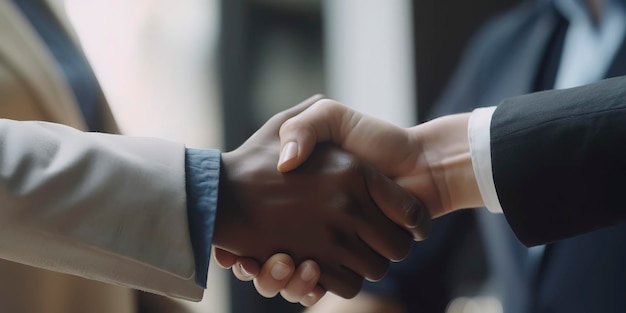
(122, 210)
(540, 45)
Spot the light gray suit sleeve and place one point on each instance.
(104, 207)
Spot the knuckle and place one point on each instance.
(327, 105)
(351, 166)
(278, 117)
(281, 117)
(346, 170)
(288, 125)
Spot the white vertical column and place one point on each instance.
(369, 57)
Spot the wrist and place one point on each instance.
(445, 145)
(225, 199)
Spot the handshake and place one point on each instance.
(337, 193)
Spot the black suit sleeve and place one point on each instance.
(559, 160)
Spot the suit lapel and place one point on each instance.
(59, 10)
(23, 50)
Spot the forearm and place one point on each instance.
(558, 160)
(106, 207)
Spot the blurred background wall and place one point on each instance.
(210, 72)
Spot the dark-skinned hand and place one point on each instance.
(331, 210)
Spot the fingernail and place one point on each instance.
(280, 271)
(413, 216)
(309, 299)
(307, 273)
(290, 151)
(243, 270)
(421, 224)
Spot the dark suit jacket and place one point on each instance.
(559, 160)
(559, 170)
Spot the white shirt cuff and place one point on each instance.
(480, 148)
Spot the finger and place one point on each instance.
(398, 205)
(246, 269)
(363, 260)
(381, 234)
(224, 258)
(298, 135)
(274, 275)
(341, 281)
(302, 282)
(313, 297)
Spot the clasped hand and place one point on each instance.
(341, 218)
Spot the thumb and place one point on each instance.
(298, 135)
(382, 144)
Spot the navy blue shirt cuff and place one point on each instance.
(202, 173)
